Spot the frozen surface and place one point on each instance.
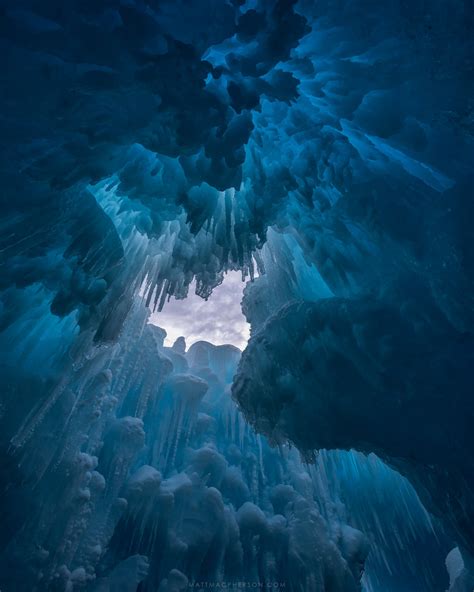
(323, 152)
(201, 499)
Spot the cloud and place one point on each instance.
(218, 320)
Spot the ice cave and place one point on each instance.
(237, 295)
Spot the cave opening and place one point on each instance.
(218, 320)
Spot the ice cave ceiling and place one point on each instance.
(318, 151)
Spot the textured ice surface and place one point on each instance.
(138, 466)
(155, 477)
(323, 151)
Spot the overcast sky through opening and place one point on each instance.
(219, 320)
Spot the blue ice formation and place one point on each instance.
(166, 483)
(324, 151)
(144, 470)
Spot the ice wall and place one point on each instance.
(137, 466)
(143, 470)
(146, 146)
